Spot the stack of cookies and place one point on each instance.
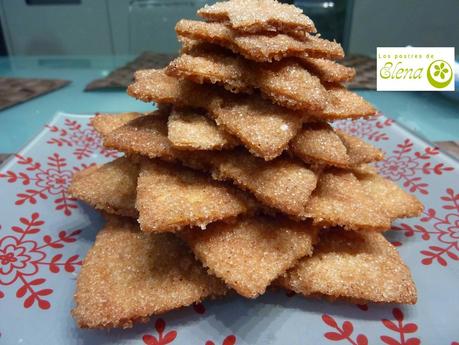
(238, 182)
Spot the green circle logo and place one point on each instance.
(439, 74)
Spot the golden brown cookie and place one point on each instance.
(343, 104)
(146, 135)
(154, 85)
(328, 70)
(170, 197)
(340, 199)
(286, 83)
(189, 129)
(290, 186)
(393, 201)
(110, 187)
(251, 252)
(283, 184)
(105, 123)
(363, 267)
(359, 151)
(208, 63)
(264, 128)
(319, 143)
(259, 47)
(127, 276)
(260, 16)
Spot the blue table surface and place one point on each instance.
(429, 114)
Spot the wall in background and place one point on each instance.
(403, 22)
(105, 27)
(150, 23)
(56, 29)
(100, 27)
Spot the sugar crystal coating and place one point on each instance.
(110, 187)
(154, 85)
(286, 83)
(393, 201)
(170, 197)
(207, 63)
(362, 267)
(343, 104)
(105, 123)
(251, 252)
(264, 128)
(319, 143)
(329, 71)
(316, 143)
(286, 185)
(283, 183)
(359, 151)
(290, 85)
(146, 135)
(127, 276)
(259, 16)
(340, 199)
(188, 129)
(157, 86)
(258, 47)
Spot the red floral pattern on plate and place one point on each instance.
(443, 228)
(161, 339)
(403, 330)
(345, 331)
(83, 138)
(22, 257)
(35, 258)
(371, 129)
(408, 166)
(229, 340)
(50, 181)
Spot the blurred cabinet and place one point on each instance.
(56, 29)
(330, 17)
(104, 27)
(395, 23)
(151, 23)
(94, 27)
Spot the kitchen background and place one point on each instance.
(119, 27)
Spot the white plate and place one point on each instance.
(45, 234)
